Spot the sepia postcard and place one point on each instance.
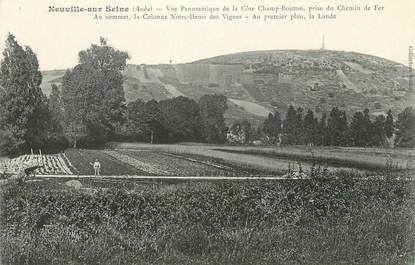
(207, 132)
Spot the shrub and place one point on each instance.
(192, 241)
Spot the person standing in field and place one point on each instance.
(97, 167)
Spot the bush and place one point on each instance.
(9, 144)
(56, 143)
(192, 241)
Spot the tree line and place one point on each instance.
(300, 127)
(90, 108)
(178, 119)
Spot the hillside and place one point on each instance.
(257, 82)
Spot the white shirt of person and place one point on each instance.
(97, 164)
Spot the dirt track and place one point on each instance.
(6, 181)
(161, 177)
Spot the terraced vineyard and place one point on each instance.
(301, 78)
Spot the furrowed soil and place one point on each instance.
(81, 160)
(276, 159)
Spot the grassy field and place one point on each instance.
(215, 160)
(344, 160)
(350, 156)
(150, 161)
(276, 159)
(81, 162)
(313, 221)
(261, 164)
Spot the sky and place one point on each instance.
(57, 38)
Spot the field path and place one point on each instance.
(164, 177)
(346, 81)
(136, 177)
(251, 107)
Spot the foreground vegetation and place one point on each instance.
(314, 221)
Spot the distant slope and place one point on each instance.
(251, 107)
(49, 78)
(261, 81)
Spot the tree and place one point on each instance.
(272, 126)
(57, 140)
(154, 120)
(293, 126)
(405, 127)
(356, 128)
(135, 127)
(322, 131)
(299, 127)
(144, 122)
(337, 127)
(290, 126)
(389, 125)
(181, 118)
(367, 128)
(378, 133)
(240, 132)
(56, 110)
(74, 103)
(212, 110)
(24, 115)
(93, 96)
(8, 142)
(310, 127)
(363, 132)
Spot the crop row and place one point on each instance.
(175, 165)
(151, 168)
(82, 160)
(49, 164)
